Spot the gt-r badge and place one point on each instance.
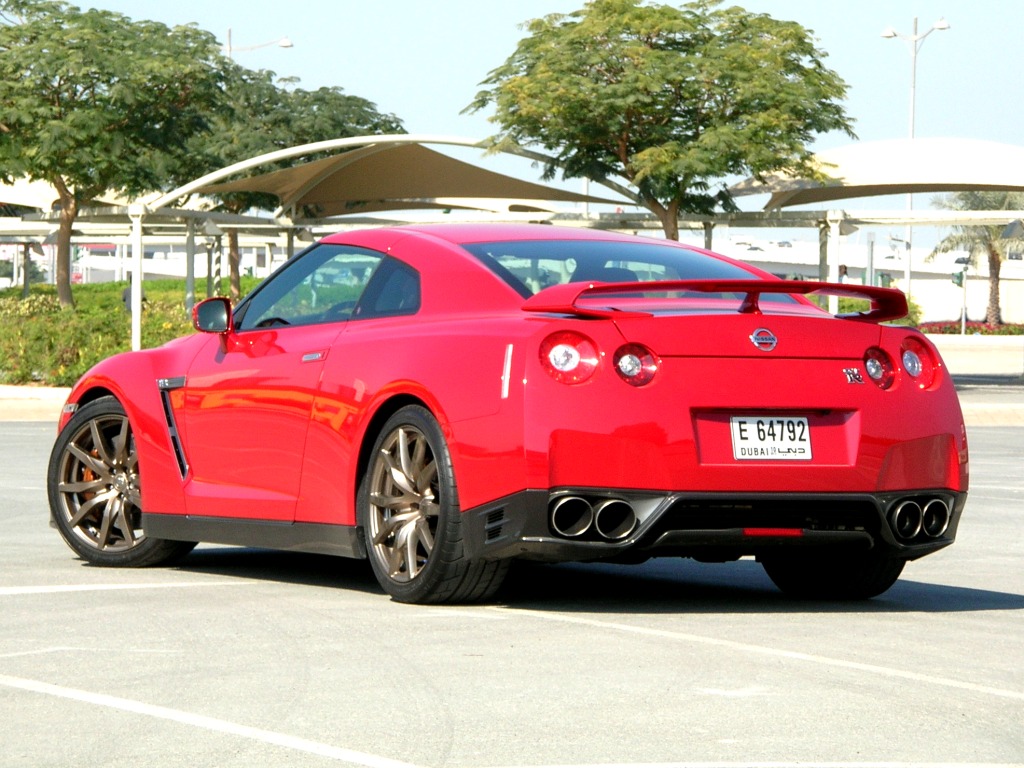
(853, 376)
(764, 339)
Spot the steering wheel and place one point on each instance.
(269, 322)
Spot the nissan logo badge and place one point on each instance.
(763, 339)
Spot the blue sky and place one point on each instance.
(423, 61)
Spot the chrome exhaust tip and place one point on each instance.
(614, 519)
(906, 520)
(571, 516)
(935, 518)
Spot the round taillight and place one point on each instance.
(912, 363)
(879, 367)
(569, 357)
(918, 362)
(636, 364)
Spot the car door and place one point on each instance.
(390, 299)
(249, 394)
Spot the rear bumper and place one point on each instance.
(707, 526)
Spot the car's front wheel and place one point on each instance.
(832, 575)
(409, 510)
(95, 490)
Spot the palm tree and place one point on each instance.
(981, 239)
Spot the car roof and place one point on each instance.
(461, 233)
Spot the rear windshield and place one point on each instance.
(531, 266)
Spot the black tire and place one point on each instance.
(832, 575)
(95, 491)
(409, 510)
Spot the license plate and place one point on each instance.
(770, 438)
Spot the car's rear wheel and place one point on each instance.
(832, 575)
(95, 490)
(409, 511)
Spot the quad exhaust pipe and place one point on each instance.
(606, 519)
(912, 519)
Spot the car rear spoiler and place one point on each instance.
(886, 303)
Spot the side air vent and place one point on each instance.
(493, 525)
(166, 386)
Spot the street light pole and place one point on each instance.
(914, 42)
(230, 50)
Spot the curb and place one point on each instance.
(32, 403)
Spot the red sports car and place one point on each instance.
(441, 400)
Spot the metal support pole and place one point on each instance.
(869, 271)
(963, 307)
(834, 220)
(136, 212)
(218, 266)
(209, 268)
(190, 265)
(908, 267)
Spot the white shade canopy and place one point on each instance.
(899, 166)
(382, 177)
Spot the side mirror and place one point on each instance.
(213, 316)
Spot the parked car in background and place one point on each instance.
(443, 399)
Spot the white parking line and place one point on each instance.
(781, 764)
(73, 649)
(375, 761)
(8, 591)
(207, 723)
(778, 652)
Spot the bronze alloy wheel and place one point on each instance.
(410, 516)
(95, 490)
(404, 497)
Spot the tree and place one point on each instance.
(92, 102)
(264, 117)
(984, 239)
(672, 100)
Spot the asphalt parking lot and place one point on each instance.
(242, 657)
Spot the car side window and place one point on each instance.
(323, 285)
(393, 290)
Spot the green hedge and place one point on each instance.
(41, 343)
(973, 328)
(849, 306)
